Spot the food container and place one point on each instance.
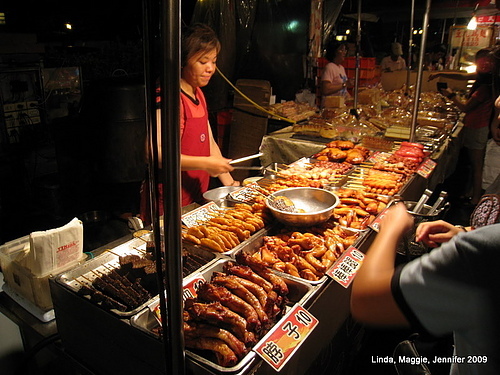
(299, 292)
(317, 205)
(251, 180)
(219, 194)
(86, 273)
(408, 246)
(20, 281)
(258, 241)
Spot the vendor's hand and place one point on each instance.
(397, 218)
(434, 233)
(234, 183)
(447, 92)
(216, 166)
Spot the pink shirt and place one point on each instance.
(335, 74)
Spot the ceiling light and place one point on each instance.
(472, 25)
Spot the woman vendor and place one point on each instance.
(201, 157)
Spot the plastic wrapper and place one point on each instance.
(55, 249)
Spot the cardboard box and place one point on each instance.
(334, 101)
(364, 62)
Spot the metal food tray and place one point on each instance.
(231, 252)
(299, 292)
(88, 271)
(254, 245)
(271, 172)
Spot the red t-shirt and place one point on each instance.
(480, 116)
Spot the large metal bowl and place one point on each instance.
(318, 205)
(219, 194)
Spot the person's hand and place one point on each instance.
(397, 218)
(446, 92)
(216, 166)
(234, 183)
(434, 233)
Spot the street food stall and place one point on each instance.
(247, 283)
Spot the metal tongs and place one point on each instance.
(250, 157)
(236, 161)
(439, 204)
(421, 202)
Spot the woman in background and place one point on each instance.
(334, 81)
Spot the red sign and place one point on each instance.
(425, 169)
(279, 344)
(190, 289)
(345, 268)
(487, 20)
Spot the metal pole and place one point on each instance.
(170, 23)
(358, 58)
(443, 31)
(418, 87)
(410, 48)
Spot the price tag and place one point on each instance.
(345, 268)
(246, 193)
(190, 288)
(425, 169)
(279, 344)
(375, 224)
(378, 156)
(200, 214)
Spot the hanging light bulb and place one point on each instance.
(472, 25)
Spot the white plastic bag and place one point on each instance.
(55, 249)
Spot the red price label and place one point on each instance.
(190, 289)
(345, 268)
(426, 168)
(279, 344)
(375, 224)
